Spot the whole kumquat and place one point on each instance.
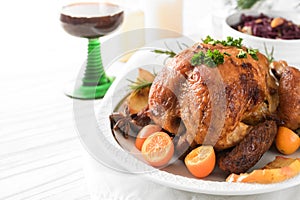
(144, 133)
(286, 141)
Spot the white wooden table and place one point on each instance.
(40, 153)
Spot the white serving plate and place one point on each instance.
(101, 144)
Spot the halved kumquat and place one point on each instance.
(158, 149)
(201, 161)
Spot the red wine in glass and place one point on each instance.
(92, 21)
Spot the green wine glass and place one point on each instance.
(92, 21)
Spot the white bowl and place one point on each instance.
(288, 50)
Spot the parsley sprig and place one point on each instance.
(229, 42)
(210, 58)
(235, 43)
(241, 54)
(253, 53)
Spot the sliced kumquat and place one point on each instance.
(158, 149)
(201, 161)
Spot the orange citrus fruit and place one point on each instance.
(287, 141)
(158, 149)
(144, 133)
(201, 161)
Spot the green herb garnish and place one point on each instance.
(216, 56)
(242, 54)
(198, 58)
(234, 42)
(210, 58)
(270, 56)
(229, 42)
(139, 84)
(208, 40)
(169, 53)
(253, 53)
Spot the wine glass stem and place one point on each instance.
(94, 72)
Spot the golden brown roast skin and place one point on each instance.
(289, 96)
(240, 92)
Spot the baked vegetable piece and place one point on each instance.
(276, 171)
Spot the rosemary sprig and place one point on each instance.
(269, 55)
(139, 84)
(169, 53)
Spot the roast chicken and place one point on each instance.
(235, 106)
(216, 106)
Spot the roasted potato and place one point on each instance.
(138, 99)
(145, 75)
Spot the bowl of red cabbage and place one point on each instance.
(275, 33)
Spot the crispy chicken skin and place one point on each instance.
(289, 98)
(216, 106)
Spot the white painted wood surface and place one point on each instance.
(40, 153)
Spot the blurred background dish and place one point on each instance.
(283, 49)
